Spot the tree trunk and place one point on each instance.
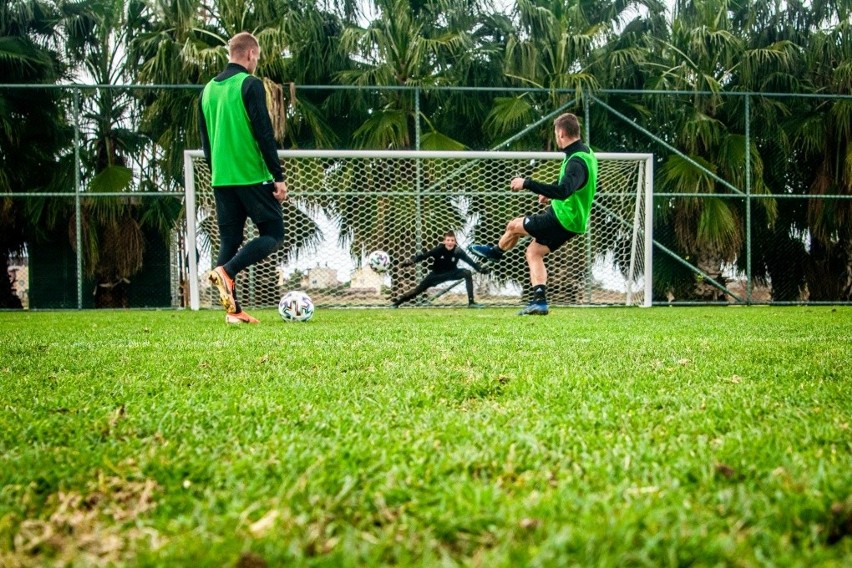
(846, 279)
(8, 299)
(111, 295)
(711, 265)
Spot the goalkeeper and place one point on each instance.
(445, 258)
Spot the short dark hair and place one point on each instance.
(568, 123)
(449, 234)
(240, 44)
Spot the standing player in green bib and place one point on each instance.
(568, 201)
(247, 179)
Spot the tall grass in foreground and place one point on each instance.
(595, 437)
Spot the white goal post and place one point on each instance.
(345, 204)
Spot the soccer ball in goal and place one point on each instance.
(379, 261)
(296, 306)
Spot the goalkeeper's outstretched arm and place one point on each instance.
(419, 257)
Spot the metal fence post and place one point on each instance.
(749, 284)
(78, 209)
(418, 201)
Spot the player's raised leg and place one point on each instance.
(514, 231)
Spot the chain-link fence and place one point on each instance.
(776, 231)
(123, 261)
(739, 216)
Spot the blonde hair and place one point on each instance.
(241, 44)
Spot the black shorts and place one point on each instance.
(235, 203)
(546, 229)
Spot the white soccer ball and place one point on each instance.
(296, 306)
(379, 261)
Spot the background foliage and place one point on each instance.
(520, 62)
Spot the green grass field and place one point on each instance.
(591, 437)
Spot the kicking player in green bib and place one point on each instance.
(569, 203)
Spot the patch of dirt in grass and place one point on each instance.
(726, 471)
(90, 528)
(251, 560)
(839, 521)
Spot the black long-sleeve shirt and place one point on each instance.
(254, 100)
(444, 260)
(576, 174)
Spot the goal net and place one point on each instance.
(343, 205)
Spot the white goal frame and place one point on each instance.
(643, 225)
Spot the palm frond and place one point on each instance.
(719, 228)
(384, 129)
(679, 175)
(437, 141)
(507, 115)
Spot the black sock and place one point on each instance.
(540, 293)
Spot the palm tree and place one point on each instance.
(28, 154)
(768, 65)
(407, 44)
(705, 55)
(187, 44)
(459, 114)
(824, 134)
(801, 48)
(115, 230)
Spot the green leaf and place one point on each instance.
(111, 179)
(438, 141)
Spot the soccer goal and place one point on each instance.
(345, 204)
